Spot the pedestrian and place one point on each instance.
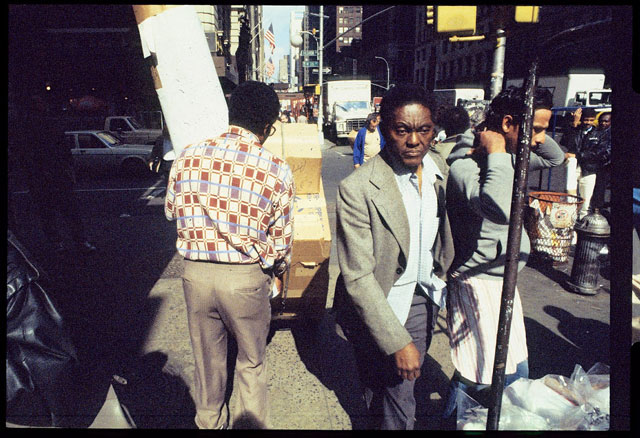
(233, 202)
(50, 177)
(158, 162)
(583, 125)
(479, 195)
(453, 121)
(598, 144)
(369, 141)
(394, 246)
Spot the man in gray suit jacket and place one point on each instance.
(394, 249)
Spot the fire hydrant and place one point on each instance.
(593, 232)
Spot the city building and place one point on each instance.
(441, 63)
(346, 18)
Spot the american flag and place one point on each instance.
(270, 68)
(271, 38)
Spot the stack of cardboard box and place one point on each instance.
(306, 292)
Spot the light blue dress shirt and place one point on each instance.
(423, 226)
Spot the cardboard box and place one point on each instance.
(309, 273)
(299, 145)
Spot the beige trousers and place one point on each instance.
(223, 300)
(586, 184)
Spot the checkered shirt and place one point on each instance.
(232, 200)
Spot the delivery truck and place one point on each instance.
(347, 104)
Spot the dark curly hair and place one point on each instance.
(511, 101)
(401, 95)
(454, 120)
(253, 105)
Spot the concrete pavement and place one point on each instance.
(312, 379)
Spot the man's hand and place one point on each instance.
(568, 155)
(488, 142)
(355, 166)
(408, 362)
(577, 115)
(278, 283)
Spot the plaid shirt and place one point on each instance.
(232, 200)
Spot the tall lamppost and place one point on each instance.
(385, 61)
(296, 41)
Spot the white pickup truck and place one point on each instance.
(130, 130)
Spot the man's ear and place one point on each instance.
(508, 123)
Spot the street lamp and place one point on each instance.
(385, 61)
(296, 41)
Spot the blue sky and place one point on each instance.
(279, 17)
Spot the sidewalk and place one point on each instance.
(312, 378)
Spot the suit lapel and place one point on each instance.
(388, 201)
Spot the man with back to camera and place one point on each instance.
(233, 201)
(479, 194)
(394, 248)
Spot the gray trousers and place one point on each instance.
(222, 300)
(390, 399)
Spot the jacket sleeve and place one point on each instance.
(487, 192)
(548, 154)
(357, 264)
(358, 148)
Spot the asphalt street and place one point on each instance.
(125, 309)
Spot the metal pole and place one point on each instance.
(513, 253)
(498, 63)
(320, 67)
(385, 61)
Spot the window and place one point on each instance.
(358, 29)
(340, 10)
(340, 20)
(119, 124)
(89, 141)
(341, 39)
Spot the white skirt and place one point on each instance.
(473, 309)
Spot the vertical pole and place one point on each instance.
(513, 253)
(498, 64)
(320, 67)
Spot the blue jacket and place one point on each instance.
(358, 145)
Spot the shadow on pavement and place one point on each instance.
(104, 300)
(561, 273)
(331, 359)
(583, 342)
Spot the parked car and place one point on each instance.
(102, 151)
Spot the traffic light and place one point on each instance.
(527, 14)
(430, 15)
(313, 31)
(460, 20)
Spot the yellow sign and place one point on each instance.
(527, 14)
(456, 19)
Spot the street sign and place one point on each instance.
(308, 53)
(309, 63)
(325, 70)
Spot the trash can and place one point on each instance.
(549, 220)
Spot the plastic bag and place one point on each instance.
(473, 416)
(553, 402)
(40, 355)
